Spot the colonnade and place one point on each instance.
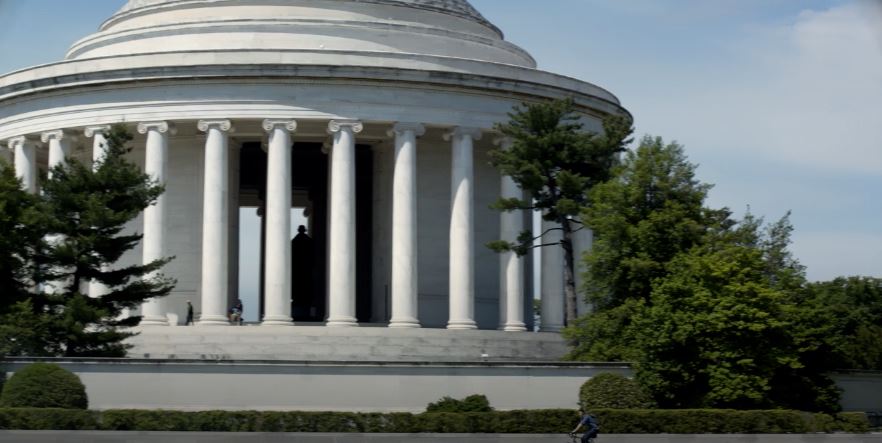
(342, 220)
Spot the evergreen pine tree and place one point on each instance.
(557, 162)
(87, 212)
(22, 236)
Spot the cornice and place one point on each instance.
(521, 82)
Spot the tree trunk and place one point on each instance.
(570, 298)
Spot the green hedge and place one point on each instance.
(550, 421)
(48, 419)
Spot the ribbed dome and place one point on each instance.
(460, 8)
(363, 28)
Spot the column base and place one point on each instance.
(513, 327)
(342, 322)
(281, 320)
(410, 323)
(462, 324)
(213, 320)
(551, 328)
(154, 321)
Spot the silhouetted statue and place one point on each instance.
(301, 273)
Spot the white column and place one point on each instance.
(552, 280)
(404, 227)
(59, 147)
(215, 223)
(511, 267)
(155, 227)
(582, 242)
(99, 151)
(341, 289)
(99, 142)
(462, 229)
(277, 268)
(25, 158)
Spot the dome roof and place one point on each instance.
(376, 28)
(460, 8)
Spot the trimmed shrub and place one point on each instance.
(44, 385)
(613, 391)
(549, 421)
(472, 403)
(48, 419)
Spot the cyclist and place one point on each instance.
(590, 424)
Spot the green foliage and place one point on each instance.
(554, 159)
(715, 312)
(556, 162)
(612, 391)
(714, 333)
(852, 310)
(44, 385)
(651, 211)
(24, 331)
(549, 421)
(48, 419)
(83, 211)
(605, 335)
(22, 228)
(472, 403)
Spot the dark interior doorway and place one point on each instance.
(310, 190)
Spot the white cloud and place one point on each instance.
(808, 93)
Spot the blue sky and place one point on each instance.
(778, 101)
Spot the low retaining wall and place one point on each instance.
(323, 386)
(199, 437)
(357, 386)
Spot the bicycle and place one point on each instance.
(575, 438)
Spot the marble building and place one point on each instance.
(373, 116)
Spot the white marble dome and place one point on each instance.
(416, 28)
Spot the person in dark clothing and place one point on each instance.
(189, 314)
(589, 422)
(302, 257)
(236, 313)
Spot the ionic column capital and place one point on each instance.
(91, 131)
(271, 124)
(58, 135)
(460, 131)
(418, 129)
(21, 140)
(159, 126)
(223, 125)
(335, 126)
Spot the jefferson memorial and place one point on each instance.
(373, 119)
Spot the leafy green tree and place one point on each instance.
(86, 212)
(852, 309)
(554, 160)
(721, 332)
(650, 211)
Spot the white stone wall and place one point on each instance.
(326, 387)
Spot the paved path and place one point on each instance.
(210, 437)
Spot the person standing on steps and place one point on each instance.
(189, 314)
